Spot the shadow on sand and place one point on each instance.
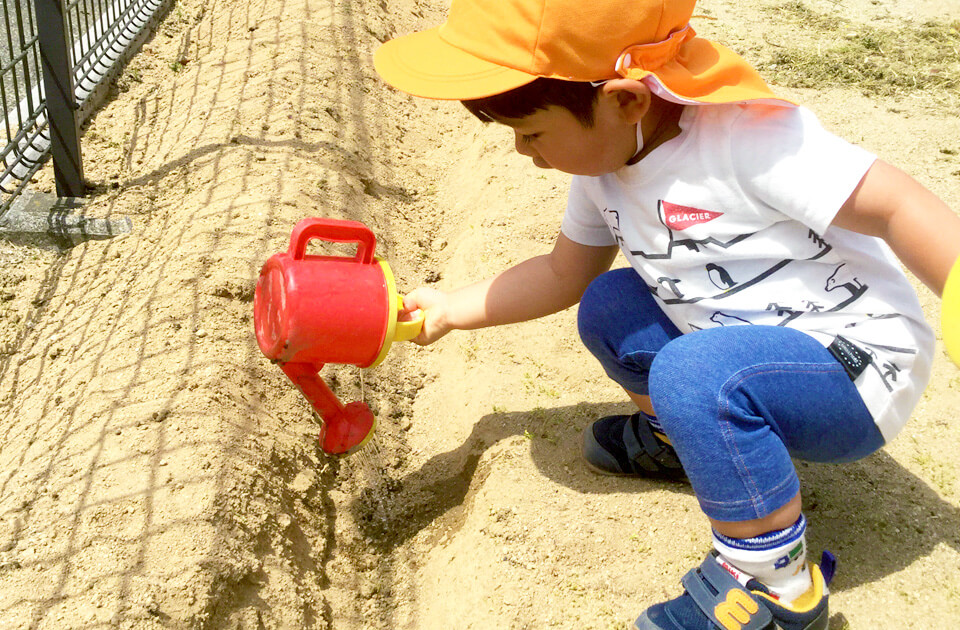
(873, 514)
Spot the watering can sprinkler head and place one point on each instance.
(345, 428)
(311, 310)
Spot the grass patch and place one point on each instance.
(939, 474)
(832, 51)
(797, 12)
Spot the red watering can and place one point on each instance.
(310, 310)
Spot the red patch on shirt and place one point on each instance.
(679, 217)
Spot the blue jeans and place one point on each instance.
(737, 402)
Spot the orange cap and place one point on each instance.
(488, 47)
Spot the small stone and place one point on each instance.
(9, 561)
(385, 409)
(201, 333)
(303, 482)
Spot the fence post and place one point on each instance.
(62, 110)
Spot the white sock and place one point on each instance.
(776, 559)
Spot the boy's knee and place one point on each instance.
(666, 370)
(598, 304)
(679, 379)
(678, 360)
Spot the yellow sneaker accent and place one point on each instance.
(663, 438)
(736, 610)
(809, 600)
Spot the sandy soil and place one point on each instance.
(157, 472)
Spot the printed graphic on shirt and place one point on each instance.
(723, 319)
(614, 224)
(843, 281)
(677, 218)
(690, 234)
(888, 370)
(719, 276)
(873, 317)
(681, 217)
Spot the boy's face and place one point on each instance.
(554, 138)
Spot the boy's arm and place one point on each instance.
(533, 288)
(921, 229)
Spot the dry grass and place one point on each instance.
(831, 51)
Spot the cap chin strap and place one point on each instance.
(639, 145)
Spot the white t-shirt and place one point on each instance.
(729, 224)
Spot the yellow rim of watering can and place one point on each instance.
(950, 314)
(364, 441)
(396, 330)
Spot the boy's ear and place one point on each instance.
(633, 97)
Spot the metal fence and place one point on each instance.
(91, 40)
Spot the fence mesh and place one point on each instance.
(103, 34)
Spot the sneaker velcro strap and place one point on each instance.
(724, 600)
(646, 451)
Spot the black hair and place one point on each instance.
(577, 97)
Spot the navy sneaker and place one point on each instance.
(628, 446)
(714, 600)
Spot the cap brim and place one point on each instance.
(423, 64)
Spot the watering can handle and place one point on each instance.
(408, 329)
(336, 231)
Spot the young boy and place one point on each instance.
(762, 317)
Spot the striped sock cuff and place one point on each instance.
(770, 540)
(652, 420)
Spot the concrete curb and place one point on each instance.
(45, 219)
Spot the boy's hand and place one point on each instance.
(433, 304)
(533, 288)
